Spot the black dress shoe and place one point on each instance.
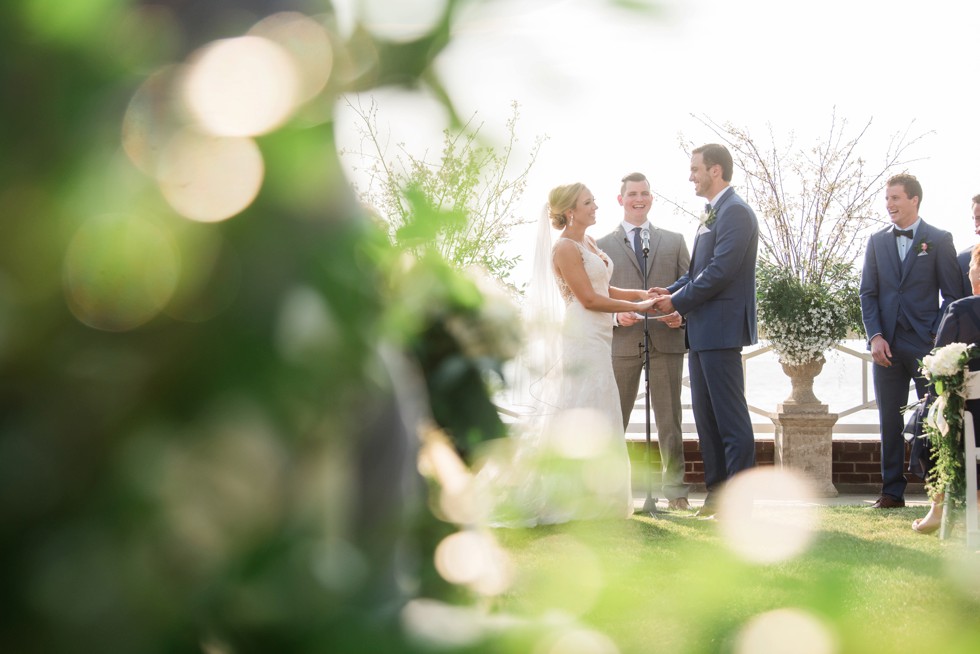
(888, 502)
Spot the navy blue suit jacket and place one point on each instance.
(717, 295)
(961, 324)
(963, 259)
(913, 285)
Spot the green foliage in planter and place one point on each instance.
(803, 320)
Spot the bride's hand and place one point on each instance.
(643, 305)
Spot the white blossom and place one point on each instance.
(945, 361)
(805, 339)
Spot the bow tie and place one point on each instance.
(907, 233)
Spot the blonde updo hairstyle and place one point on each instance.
(562, 199)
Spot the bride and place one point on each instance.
(570, 462)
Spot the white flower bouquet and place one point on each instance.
(946, 369)
(801, 321)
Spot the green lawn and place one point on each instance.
(672, 584)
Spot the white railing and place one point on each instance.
(863, 402)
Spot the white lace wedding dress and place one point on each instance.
(571, 462)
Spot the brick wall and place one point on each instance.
(856, 463)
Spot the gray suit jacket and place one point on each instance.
(668, 260)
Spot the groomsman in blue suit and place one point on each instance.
(717, 301)
(906, 268)
(963, 257)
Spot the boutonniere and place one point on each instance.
(708, 219)
(923, 247)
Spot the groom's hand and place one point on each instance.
(663, 304)
(672, 320)
(656, 291)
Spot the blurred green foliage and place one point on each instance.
(238, 469)
(208, 432)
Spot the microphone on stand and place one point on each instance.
(650, 504)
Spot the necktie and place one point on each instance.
(907, 233)
(637, 247)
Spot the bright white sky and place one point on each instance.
(613, 90)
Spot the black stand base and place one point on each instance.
(649, 507)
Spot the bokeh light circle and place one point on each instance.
(962, 568)
(241, 87)
(474, 559)
(580, 434)
(577, 641)
(769, 514)
(150, 121)
(307, 42)
(119, 272)
(438, 626)
(405, 20)
(785, 631)
(209, 178)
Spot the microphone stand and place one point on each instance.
(650, 503)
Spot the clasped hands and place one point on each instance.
(661, 304)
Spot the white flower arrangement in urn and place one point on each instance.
(803, 320)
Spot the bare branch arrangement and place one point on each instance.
(815, 203)
(815, 213)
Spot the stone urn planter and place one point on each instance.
(804, 429)
(801, 377)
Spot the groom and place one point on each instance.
(717, 300)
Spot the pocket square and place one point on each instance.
(703, 230)
(922, 254)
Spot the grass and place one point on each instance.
(673, 585)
